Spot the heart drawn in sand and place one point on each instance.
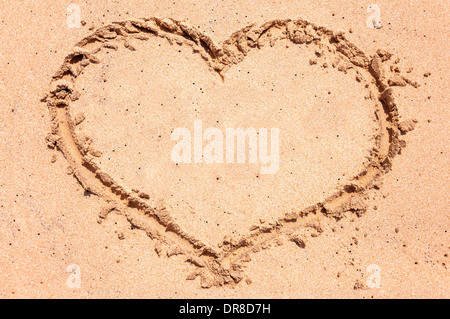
(222, 263)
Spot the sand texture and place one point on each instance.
(94, 205)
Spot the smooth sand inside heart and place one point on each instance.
(133, 100)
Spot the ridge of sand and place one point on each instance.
(223, 265)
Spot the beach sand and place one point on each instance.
(357, 206)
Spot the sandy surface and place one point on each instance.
(353, 193)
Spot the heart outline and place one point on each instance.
(223, 266)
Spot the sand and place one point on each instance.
(357, 207)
